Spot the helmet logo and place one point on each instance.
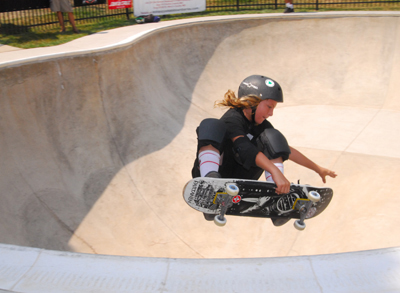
(269, 83)
(249, 84)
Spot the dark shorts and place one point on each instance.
(60, 5)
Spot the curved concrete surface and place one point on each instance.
(37, 270)
(97, 136)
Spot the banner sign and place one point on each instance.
(119, 4)
(88, 2)
(162, 7)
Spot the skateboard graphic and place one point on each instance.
(252, 198)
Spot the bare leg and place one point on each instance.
(208, 148)
(72, 22)
(61, 21)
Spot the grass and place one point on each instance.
(53, 37)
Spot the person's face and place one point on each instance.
(264, 110)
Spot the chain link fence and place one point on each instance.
(40, 18)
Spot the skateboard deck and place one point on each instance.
(252, 198)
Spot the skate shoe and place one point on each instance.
(279, 221)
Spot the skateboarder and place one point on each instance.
(243, 143)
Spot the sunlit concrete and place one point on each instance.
(37, 270)
(97, 136)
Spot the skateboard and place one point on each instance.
(252, 198)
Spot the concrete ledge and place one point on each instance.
(121, 37)
(38, 270)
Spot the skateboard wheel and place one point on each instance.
(232, 189)
(219, 222)
(314, 196)
(299, 226)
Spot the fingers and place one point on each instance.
(283, 187)
(284, 190)
(330, 174)
(326, 172)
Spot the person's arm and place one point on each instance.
(302, 160)
(282, 184)
(260, 160)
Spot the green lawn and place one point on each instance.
(52, 36)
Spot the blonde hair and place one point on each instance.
(230, 100)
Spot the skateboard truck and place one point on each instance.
(304, 206)
(224, 200)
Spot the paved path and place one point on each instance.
(6, 48)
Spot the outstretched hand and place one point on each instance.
(323, 172)
(302, 160)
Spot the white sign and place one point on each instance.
(162, 7)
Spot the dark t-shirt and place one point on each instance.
(234, 163)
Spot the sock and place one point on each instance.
(268, 176)
(208, 161)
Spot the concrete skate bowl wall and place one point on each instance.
(96, 147)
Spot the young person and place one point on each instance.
(243, 143)
(60, 6)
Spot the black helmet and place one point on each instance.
(261, 86)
